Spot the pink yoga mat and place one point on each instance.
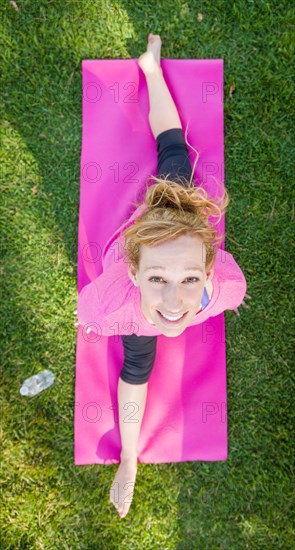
(185, 416)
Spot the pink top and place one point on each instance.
(110, 304)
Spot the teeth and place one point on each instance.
(172, 318)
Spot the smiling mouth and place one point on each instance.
(168, 322)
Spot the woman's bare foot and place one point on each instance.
(149, 61)
(123, 486)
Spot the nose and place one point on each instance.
(173, 301)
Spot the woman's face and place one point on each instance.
(171, 288)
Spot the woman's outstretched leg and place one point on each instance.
(163, 113)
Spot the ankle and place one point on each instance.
(130, 456)
(155, 72)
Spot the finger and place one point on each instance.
(75, 312)
(244, 304)
(76, 324)
(237, 312)
(248, 296)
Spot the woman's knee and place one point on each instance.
(135, 377)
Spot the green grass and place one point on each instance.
(47, 502)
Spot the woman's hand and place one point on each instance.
(77, 323)
(236, 310)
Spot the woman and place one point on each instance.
(170, 254)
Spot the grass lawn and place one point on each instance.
(47, 502)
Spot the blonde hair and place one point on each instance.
(174, 210)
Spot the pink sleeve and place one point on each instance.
(88, 308)
(233, 285)
(232, 293)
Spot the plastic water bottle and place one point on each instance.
(37, 383)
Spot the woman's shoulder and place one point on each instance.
(226, 267)
(231, 281)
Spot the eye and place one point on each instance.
(191, 279)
